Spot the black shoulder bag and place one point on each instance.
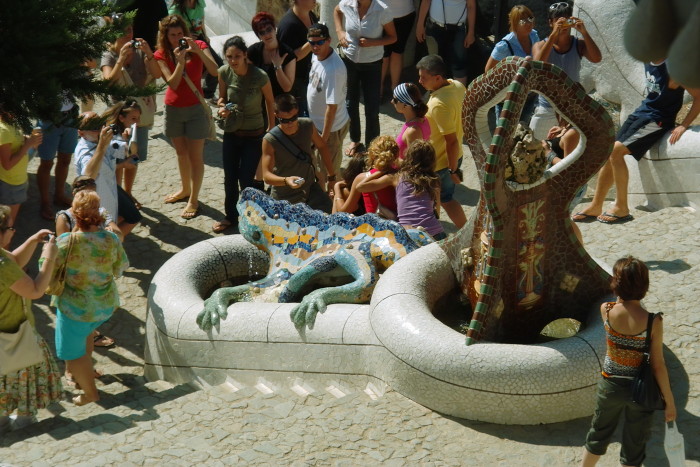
(645, 390)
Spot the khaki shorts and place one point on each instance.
(190, 122)
(335, 149)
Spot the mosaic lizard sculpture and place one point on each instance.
(304, 244)
(521, 263)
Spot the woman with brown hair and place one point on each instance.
(182, 58)
(32, 388)
(273, 57)
(93, 257)
(626, 326)
(408, 101)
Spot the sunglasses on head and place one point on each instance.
(321, 42)
(530, 20)
(556, 6)
(288, 120)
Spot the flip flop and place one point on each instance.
(583, 217)
(221, 225)
(173, 198)
(613, 219)
(100, 340)
(190, 213)
(352, 149)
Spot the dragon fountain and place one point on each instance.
(517, 260)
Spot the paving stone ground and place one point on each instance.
(155, 423)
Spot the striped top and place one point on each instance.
(624, 352)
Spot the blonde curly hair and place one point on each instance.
(383, 153)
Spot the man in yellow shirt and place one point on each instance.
(445, 112)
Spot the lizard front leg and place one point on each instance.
(216, 305)
(358, 264)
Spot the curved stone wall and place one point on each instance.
(395, 339)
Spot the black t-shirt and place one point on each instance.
(255, 55)
(292, 32)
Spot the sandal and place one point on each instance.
(189, 213)
(137, 205)
(221, 225)
(174, 198)
(352, 149)
(100, 340)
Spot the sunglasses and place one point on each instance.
(321, 42)
(556, 6)
(288, 120)
(525, 21)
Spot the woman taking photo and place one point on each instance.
(626, 322)
(408, 101)
(192, 11)
(271, 56)
(182, 58)
(364, 27)
(244, 86)
(130, 61)
(293, 31)
(29, 389)
(93, 257)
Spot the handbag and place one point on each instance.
(58, 277)
(147, 103)
(20, 349)
(211, 135)
(645, 390)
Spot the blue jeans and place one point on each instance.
(365, 77)
(241, 155)
(450, 42)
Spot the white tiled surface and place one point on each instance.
(396, 339)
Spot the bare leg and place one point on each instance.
(14, 210)
(43, 180)
(183, 162)
(84, 374)
(606, 177)
(455, 213)
(395, 66)
(120, 176)
(385, 69)
(589, 460)
(129, 178)
(60, 176)
(621, 176)
(195, 151)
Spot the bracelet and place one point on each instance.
(277, 67)
(284, 181)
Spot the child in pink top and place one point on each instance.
(409, 102)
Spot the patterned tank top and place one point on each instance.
(624, 352)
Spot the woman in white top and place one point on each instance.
(364, 27)
(404, 14)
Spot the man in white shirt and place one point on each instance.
(325, 95)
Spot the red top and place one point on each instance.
(183, 95)
(386, 196)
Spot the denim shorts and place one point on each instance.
(447, 186)
(61, 139)
(13, 194)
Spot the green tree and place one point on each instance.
(45, 46)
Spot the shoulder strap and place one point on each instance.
(510, 47)
(196, 92)
(68, 220)
(650, 322)
(292, 147)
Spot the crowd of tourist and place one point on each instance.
(285, 105)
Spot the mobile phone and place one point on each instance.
(299, 181)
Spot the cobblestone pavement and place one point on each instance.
(140, 423)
